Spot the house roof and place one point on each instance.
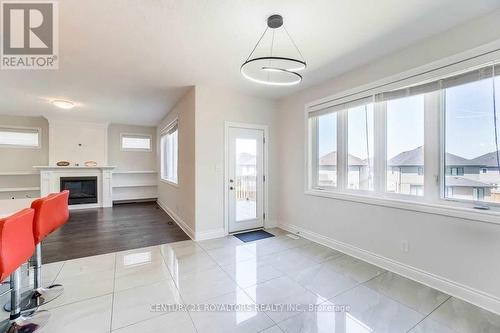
(415, 157)
(330, 159)
(452, 159)
(465, 182)
(408, 158)
(486, 160)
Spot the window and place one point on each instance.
(405, 145)
(360, 148)
(135, 142)
(169, 153)
(478, 194)
(377, 140)
(20, 137)
(326, 153)
(470, 142)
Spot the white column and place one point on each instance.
(107, 191)
(45, 182)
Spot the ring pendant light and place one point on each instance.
(274, 70)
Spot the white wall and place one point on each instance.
(179, 200)
(456, 255)
(131, 160)
(23, 159)
(213, 108)
(77, 142)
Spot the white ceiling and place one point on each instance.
(129, 61)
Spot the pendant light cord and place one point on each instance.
(269, 63)
(293, 42)
(258, 42)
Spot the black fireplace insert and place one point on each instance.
(82, 190)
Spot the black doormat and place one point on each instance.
(253, 235)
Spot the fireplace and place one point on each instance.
(82, 190)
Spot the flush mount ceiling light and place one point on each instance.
(60, 103)
(270, 69)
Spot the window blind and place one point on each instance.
(343, 106)
(375, 95)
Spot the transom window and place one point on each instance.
(377, 144)
(135, 142)
(19, 137)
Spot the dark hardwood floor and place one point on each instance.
(103, 230)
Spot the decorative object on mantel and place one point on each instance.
(62, 163)
(90, 163)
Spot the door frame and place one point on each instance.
(265, 129)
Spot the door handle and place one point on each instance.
(231, 188)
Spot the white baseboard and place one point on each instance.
(215, 233)
(468, 294)
(270, 224)
(187, 229)
(196, 236)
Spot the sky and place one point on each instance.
(469, 123)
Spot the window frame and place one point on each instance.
(434, 199)
(38, 130)
(163, 134)
(137, 135)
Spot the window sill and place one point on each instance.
(489, 216)
(171, 183)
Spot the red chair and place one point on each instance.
(16, 247)
(51, 213)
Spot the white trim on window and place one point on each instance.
(434, 200)
(22, 129)
(136, 135)
(169, 158)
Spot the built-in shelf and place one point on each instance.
(134, 172)
(134, 197)
(19, 189)
(19, 173)
(134, 185)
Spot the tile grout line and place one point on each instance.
(329, 299)
(425, 317)
(238, 286)
(176, 287)
(405, 305)
(113, 295)
(58, 272)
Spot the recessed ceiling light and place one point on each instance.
(63, 104)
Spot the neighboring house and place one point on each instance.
(463, 178)
(476, 179)
(358, 171)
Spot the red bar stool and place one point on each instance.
(51, 213)
(16, 247)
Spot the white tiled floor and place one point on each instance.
(126, 292)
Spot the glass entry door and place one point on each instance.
(246, 178)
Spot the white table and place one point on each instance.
(11, 206)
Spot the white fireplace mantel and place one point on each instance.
(55, 167)
(50, 181)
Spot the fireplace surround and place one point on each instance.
(82, 190)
